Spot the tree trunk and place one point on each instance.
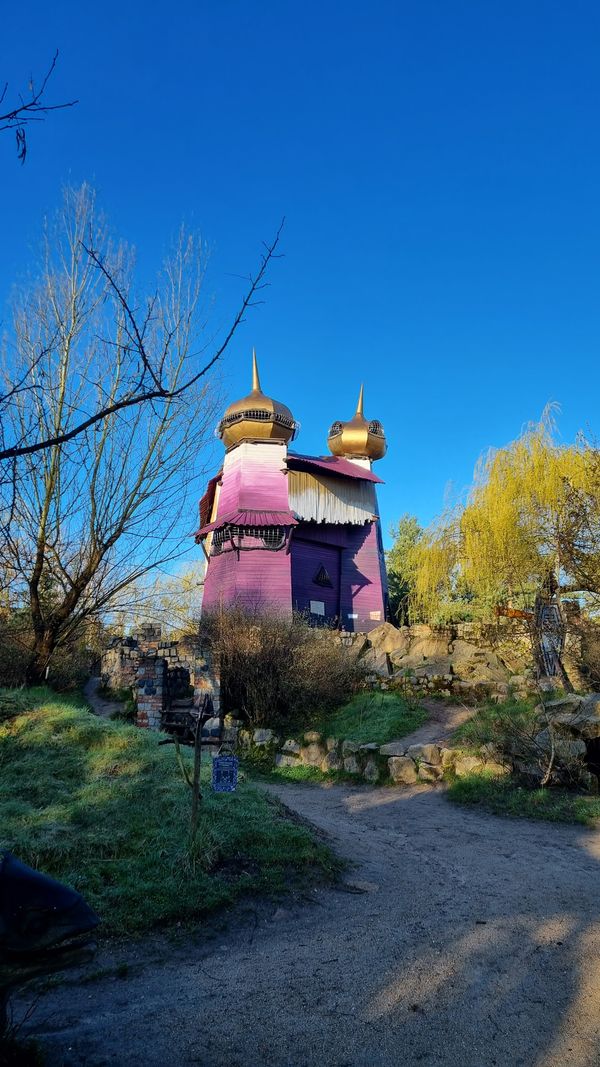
(39, 660)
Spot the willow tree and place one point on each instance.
(88, 515)
(509, 537)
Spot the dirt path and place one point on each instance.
(458, 939)
(443, 720)
(100, 706)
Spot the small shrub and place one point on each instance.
(277, 669)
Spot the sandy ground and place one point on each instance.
(456, 938)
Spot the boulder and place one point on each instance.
(448, 757)
(311, 736)
(312, 755)
(291, 746)
(428, 773)
(402, 770)
(332, 762)
(281, 760)
(370, 747)
(428, 753)
(263, 737)
(377, 663)
(477, 665)
(359, 644)
(393, 748)
(350, 747)
(432, 646)
(565, 748)
(331, 744)
(465, 765)
(495, 768)
(351, 765)
(579, 716)
(371, 771)
(567, 704)
(387, 638)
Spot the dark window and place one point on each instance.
(322, 578)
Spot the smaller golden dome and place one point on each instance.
(256, 417)
(359, 437)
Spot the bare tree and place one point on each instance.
(26, 110)
(148, 381)
(101, 502)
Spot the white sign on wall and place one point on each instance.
(317, 607)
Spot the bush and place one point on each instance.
(519, 732)
(277, 669)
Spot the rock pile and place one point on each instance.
(454, 660)
(401, 763)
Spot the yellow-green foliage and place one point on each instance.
(505, 541)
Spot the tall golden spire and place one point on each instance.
(256, 417)
(359, 406)
(255, 379)
(360, 438)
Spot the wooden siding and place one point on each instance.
(253, 478)
(362, 581)
(307, 559)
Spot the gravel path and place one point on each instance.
(457, 938)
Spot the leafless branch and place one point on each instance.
(31, 110)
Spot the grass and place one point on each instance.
(303, 773)
(373, 717)
(98, 805)
(503, 797)
(485, 724)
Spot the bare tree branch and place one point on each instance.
(34, 109)
(160, 389)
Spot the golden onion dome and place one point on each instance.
(360, 437)
(256, 417)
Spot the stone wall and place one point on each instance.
(155, 669)
(397, 761)
(467, 659)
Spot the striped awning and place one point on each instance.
(248, 518)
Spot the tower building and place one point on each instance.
(284, 531)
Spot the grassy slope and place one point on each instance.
(100, 806)
(503, 797)
(373, 717)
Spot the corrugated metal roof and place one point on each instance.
(249, 518)
(332, 465)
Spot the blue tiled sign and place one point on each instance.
(224, 774)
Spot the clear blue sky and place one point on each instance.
(438, 165)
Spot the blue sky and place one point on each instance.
(438, 165)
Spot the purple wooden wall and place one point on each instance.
(361, 588)
(307, 559)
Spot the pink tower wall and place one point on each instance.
(253, 479)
